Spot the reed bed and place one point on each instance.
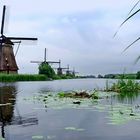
(126, 86)
(22, 77)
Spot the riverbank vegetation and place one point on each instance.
(46, 73)
(30, 77)
(115, 76)
(122, 76)
(22, 77)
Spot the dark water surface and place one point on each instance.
(21, 119)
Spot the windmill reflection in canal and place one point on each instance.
(8, 95)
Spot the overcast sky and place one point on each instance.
(79, 32)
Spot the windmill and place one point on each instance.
(73, 72)
(45, 60)
(7, 58)
(70, 72)
(60, 69)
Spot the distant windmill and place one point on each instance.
(7, 58)
(45, 60)
(68, 72)
(71, 72)
(60, 69)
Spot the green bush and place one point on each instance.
(138, 75)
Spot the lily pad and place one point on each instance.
(74, 129)
(118, 113)
(122, 113)
(37, 137)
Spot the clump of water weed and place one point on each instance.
(125, 86)
(80, 94)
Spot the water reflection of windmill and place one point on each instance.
(45, 60)
(7, 58)
(7, 102)
(8, 105)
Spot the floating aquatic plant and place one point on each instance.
(122, 113)
(117, 113)
(75, 94)
(74, 129)
(83, 100)
(37, 137)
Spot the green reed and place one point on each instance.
(21, 77)
(125, 86)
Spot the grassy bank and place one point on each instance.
(30, 77)
(21, 77)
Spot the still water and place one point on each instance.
(23, 117)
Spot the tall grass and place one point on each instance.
(21, 77)
(126, 86)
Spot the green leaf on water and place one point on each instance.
(122, 114)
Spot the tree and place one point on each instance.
(138, 75)
(100, 76)
(45, 68)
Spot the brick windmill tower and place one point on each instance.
(7, 58)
